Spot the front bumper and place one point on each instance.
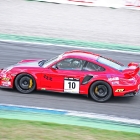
(5, 84)
(5, 81)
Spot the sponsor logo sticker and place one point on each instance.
(113, 79)
(5, 79)
(119, 90)
(7, 83)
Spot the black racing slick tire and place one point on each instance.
(25, 83)
(100, 91)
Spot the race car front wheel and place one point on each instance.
(25, 83)
(100, 91)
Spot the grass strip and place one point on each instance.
(70, 120)
(13, 129)
(58, 41)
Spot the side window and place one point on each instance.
(71, 64)
(93, 67)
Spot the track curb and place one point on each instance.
(92, 120)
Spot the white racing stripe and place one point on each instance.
(103, 117)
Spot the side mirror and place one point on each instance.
(54, 67)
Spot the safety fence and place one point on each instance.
(128, 4)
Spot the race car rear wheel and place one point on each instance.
(25, 83)
(100, 91)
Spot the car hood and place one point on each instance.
(28, 64)
(22, 64)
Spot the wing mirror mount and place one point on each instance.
(54, 67)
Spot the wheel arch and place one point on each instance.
(101, 81)
(24, 73)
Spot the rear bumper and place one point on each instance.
(131, 89)
(127, 91)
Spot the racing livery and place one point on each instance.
(77, 72)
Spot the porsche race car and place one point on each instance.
(76, 72)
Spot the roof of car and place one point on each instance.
(81, 54)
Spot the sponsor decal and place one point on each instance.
(5, 79)
(48, 78)
(113, 79)
(6, 83)
(115, 82)
(43, 88)
(132, 79)
(71, 85)
(119, 90)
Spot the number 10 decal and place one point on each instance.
(71, 85)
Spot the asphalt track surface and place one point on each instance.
(11, 53)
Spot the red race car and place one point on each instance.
(77, 72)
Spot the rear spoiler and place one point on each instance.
(132, 70)
(134, 64)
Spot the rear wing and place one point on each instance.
(132, 70)
(134, 64)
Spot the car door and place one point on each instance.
(64, 76)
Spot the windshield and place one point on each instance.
(50, 61)
(110, 63)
